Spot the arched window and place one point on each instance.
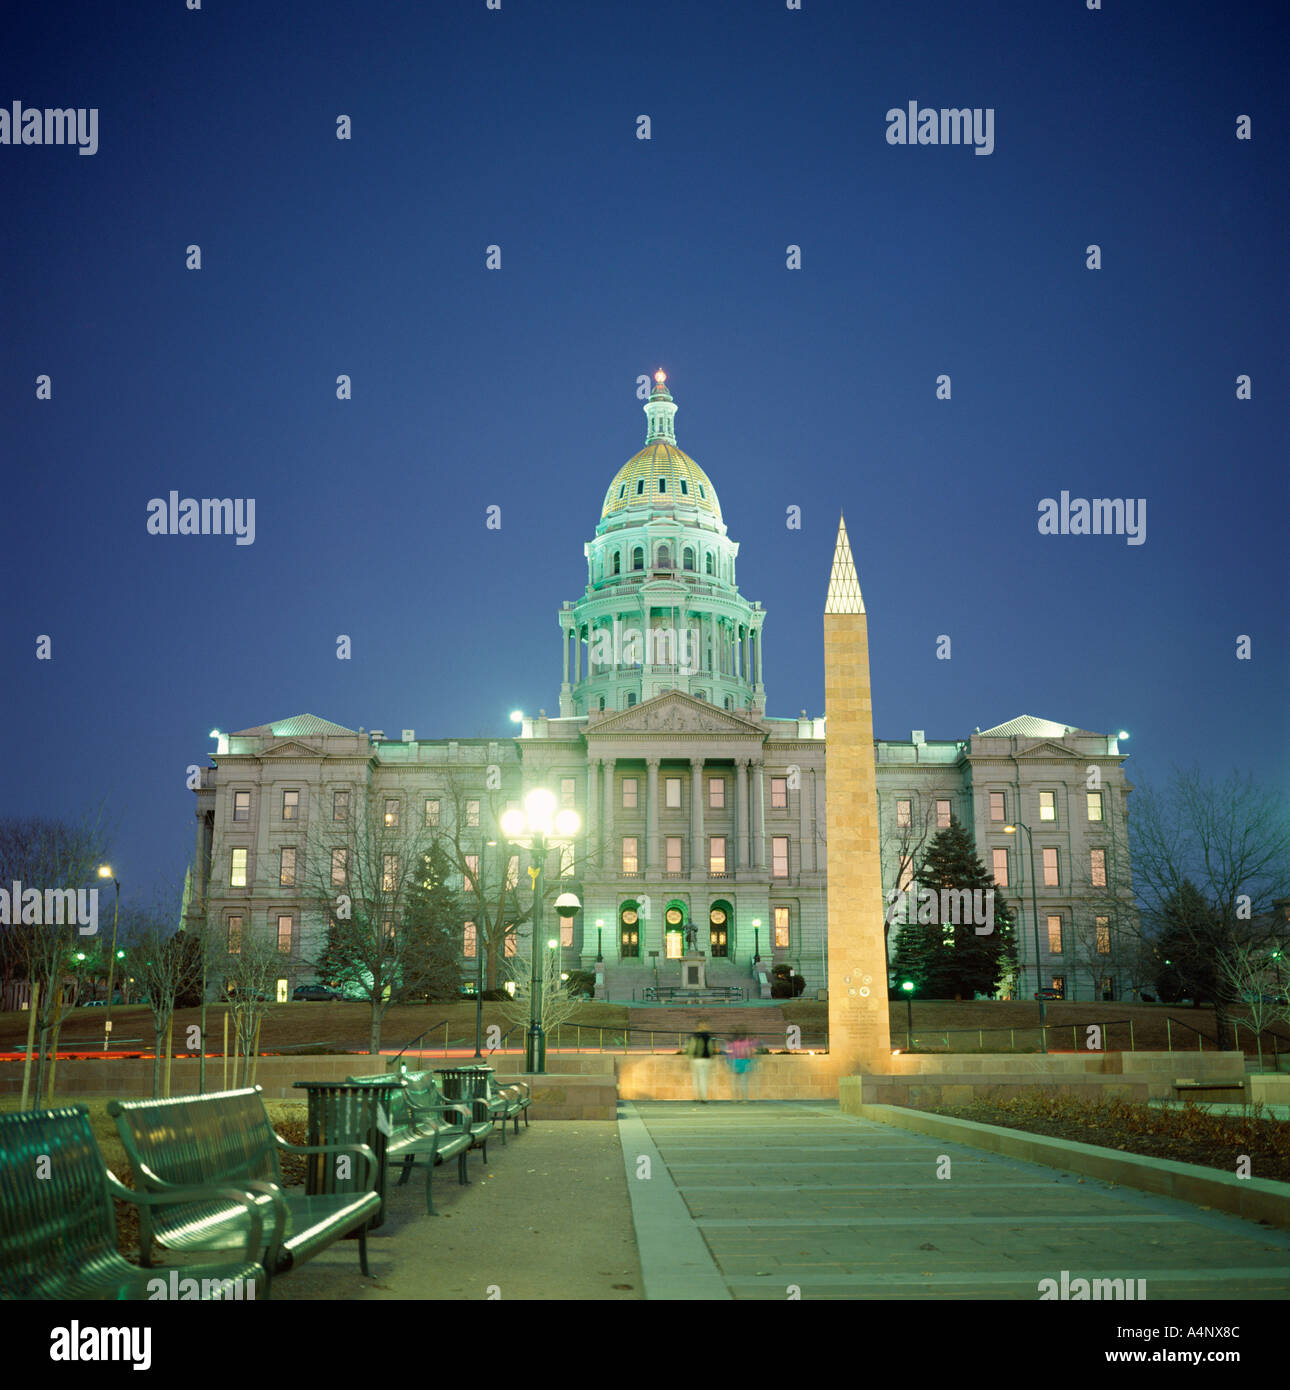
(708, 562)
(687, 560)
(617, 562)
(602, 702)
(730, 704)
(664, 558)
(638, 558)
(631, 698)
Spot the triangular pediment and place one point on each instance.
(289, 748)
(675, 713)
(1047, 749)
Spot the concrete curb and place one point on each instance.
(1256, 1199)
(674, 1257)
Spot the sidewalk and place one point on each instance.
(760, 1200)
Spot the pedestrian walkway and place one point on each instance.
(778, 1199)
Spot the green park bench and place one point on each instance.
(58, 1237)
(503, 1103)
(419, 1127)
(226, 1139)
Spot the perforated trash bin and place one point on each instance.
(347, 1112)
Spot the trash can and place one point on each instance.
(347, 1112)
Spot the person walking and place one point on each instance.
(702, 1049)
(741, 1055)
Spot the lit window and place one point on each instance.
(1050, 868)
(778, 793)
(284, 933)
(241, 805)
(1097, 867)
(470, 940)
(432, 813)
(673, 854)
(391, 811)
(472, 813)
(512, 871)
(237, 875)
(566, 860)
(1054, 935)
(629, 855)
(389, 872)
(235, 936)
(339, 867)
(780, 918)
(672, 793)
(779, 856)
(904, 816)
(996, 806)
(629, 793)
(287, 869)
(566, 931)
(340, 805)
(942, 815)
(290, 805)
(1095, 805)
(1047, 806)
(717, 854)
(470, 875)
(508, 941)
(717, 793)
(1103, 925)
(905, 878)
(568, 791)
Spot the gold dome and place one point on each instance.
(684, 483)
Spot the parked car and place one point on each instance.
(1049, 994)
(315, 991)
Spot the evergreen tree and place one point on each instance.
(433, 921)
(947, 958)
(1187, 948)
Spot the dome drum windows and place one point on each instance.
(638, 558)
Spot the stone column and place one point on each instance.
(698, 849)
(593, 792)
(609, 858)
(577, 654)
(651, 814)
(741, 813)
(758, 821)
(714, 657)
(564, 632)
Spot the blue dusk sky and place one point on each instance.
(516, 387)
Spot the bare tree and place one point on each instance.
(166, 963)
(1248, 969)
(557, 1003)
(246, 966)
(1231, 840)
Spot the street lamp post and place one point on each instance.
(105, 871)
(1034, 904)
(756, 940)
(600, 953)
(534, 823)
(908, 987)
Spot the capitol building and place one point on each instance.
(702, 815)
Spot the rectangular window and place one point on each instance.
(472, 813)
(674, 943)
(339, 867)
(1050, 868)
(1059, 984)
(512, 870)
(241, 805)
(1097, 867)
(290, 805)
(904, 815)
(1095, 805)
(996, 806)
(389, 872)
(1000, 857)
(469, 941)
(629, 793)
(508, 943)
(672, 793)
(717, 854)
(779, 916)
(1054, 935)
(237, 876)
(905, 875)
(470, 875)
(1108, 989)
(1047, 805)
(432, 811)
(630, 864)
(284, 933)
(287, 869)
(779, 856)
(673, 854)
(568, 791)
(717, 793)
(235, 936)
(779, 793)
(1103, 925)
(340, 805)
(566, 932)
(391, 810)
(942, 815)
(566, 860)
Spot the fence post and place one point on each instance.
(1012, 1039)
(445, 1037)
(980, 1038)
(1169, 1034)
(1075, 1036)
(1131, 1035)
(1200, 1039)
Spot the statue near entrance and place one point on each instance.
(691, 941)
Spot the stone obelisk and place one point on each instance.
(859, 1030)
